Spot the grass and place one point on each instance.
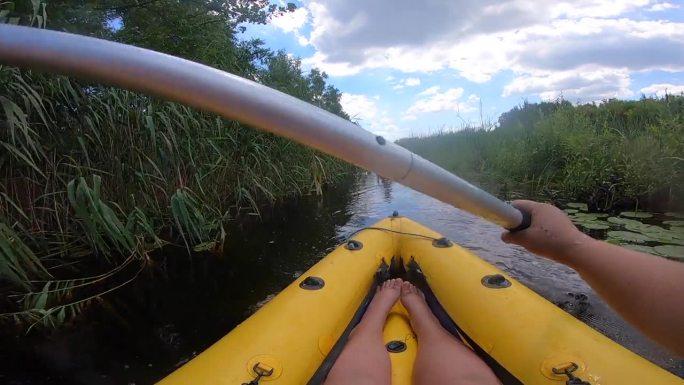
(613, 155)
(88, 171)
(93, 178)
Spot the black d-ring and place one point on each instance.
(442, 243)
(395, 346)
(353, 245)
(495, 281)
(312, 283)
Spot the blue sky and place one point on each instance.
(408, 67)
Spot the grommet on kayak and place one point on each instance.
(525, 339)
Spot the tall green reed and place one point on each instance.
(90, 171)
(614, 154)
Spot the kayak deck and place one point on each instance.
(398, 329)
(519, 334)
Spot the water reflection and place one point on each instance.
(386, 188)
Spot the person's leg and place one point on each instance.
(441, 359)
(364, 360)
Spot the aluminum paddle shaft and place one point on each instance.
(240, 99)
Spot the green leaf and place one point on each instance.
(579, 206)
(645, 229)
(669, 251)
(41, 301)
(61, 315)
(594, 226)
(636, 214)
(628, 236)
(622, 221)
(640, 248)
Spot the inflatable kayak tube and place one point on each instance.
(295, 338)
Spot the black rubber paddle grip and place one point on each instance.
(526, 222)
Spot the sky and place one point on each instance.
(408, 67)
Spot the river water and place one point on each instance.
(181, 305)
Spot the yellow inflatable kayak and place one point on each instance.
(296, 337)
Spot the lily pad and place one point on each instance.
(657, 233)
(678, 230)
(669, 251)
(570, 211)
(592, 215)
(675, 215)
(579, 206)
(587, 216)
(575, 218)
(594, 226)
(636, 214)
(622, 221)
(640, 248)
(643, 228)
(628, 236)
(674, 223)
(670, 238)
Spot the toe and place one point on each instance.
(411, 289)
(405, 287)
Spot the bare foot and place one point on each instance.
(422, 319)
(387, 295)
(442, 358)
(412, 298)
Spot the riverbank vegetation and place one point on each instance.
(612, 155)
(94, 177)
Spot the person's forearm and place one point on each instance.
(647, 291)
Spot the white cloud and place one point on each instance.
(594, 8)
(412, 82)
(365, 111)
(359, 107)
(291, 21)
(449, 100)
(303, 41)
(618, 43)
(662, 89)
(583, 85)
(429, 91)
(478, 39)
(658, 7)
(320, 60)
(408, 82)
